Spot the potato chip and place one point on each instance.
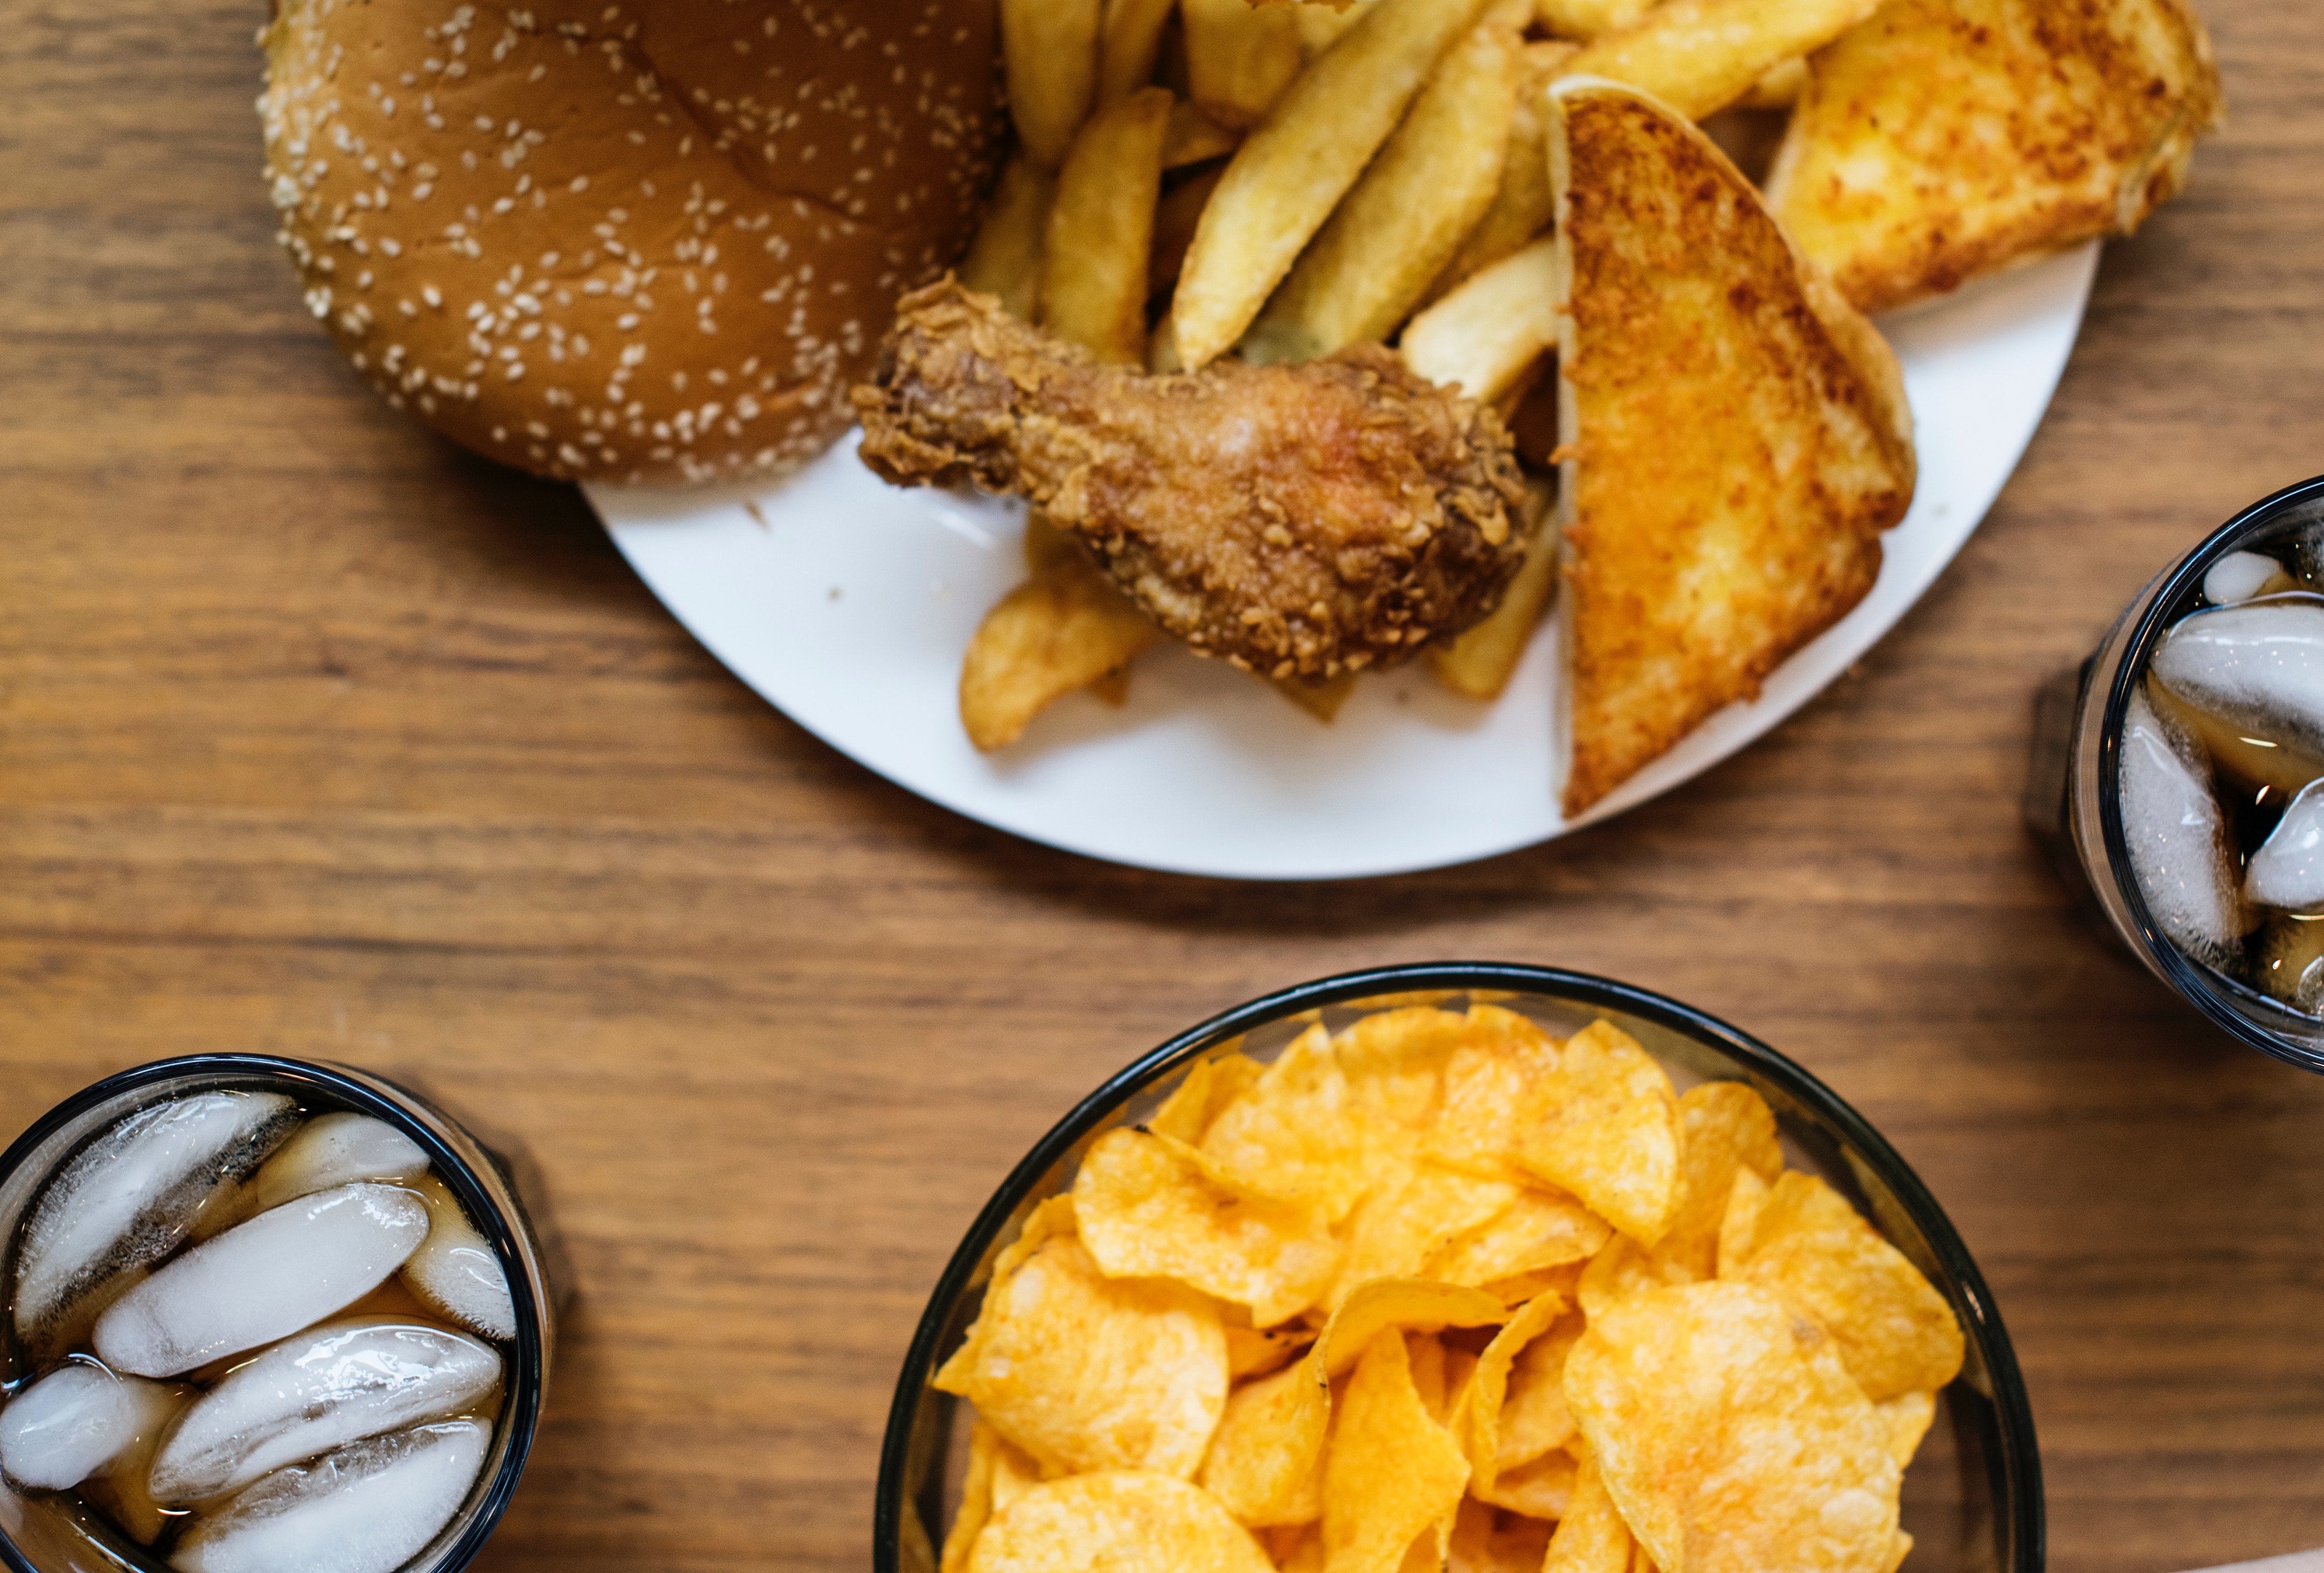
(1116, 1520)
(1430, 1377)
(1541, 1489)
(1535, 1420)
(1486, 1540)
(1014, 1471)
(1265, 1464)
(1898, 1551)
(1395, 1061)
(1492, 1087)
(1478, 1425)
(1298, 1550)
(1730, 1435)
(1741, 1221)
(1565, 1281)
(1727, 1126)
(1392, 1473)
(1539, 1229)
(1148, 1211)
(1411, 1214)
(1896, 1333)
(1210, 1086)
(975, 1500)
(1908, 1417)
(1254, 1352)
(1612, 1136)
(1590, 1536)
(1295, 1134)
(1052, 1216)
(1084, 1372)
(1622, 1269)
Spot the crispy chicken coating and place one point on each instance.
(1298, 520)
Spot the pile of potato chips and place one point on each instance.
(1444, 1292)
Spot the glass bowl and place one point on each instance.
(497, 1187)
(1973, 1497)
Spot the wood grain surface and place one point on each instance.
(318, 737)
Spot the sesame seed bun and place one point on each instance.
(634, 240)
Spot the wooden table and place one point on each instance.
(319, 737)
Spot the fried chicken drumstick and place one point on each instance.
(1298, 520)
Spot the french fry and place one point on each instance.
(1289, 175)
(1780, 88)
(1194, 136)
(1699, 56)
(1174, 218)
(1523, 206)
(1240, 57)
(1101, 229)
(1320, 697)
(1403, 220)
(1065, 629)
(1130, 40)
(1478, 662)
(1588, 19)
(1321, 24)
(1483, 335)
(1049, 50)
(1005, 257)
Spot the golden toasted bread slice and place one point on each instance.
(1735, 435)
(1944, 139)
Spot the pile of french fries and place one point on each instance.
(1199, 177)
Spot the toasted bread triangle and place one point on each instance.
(1737, 437)
(1944, 139)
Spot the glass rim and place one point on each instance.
(351, 1086)
(2020, 1458)
(2208, 991)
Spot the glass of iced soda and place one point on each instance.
(2181, 772)
(258, 1314)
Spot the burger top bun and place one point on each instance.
(637, 240)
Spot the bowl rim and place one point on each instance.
(2020, 1457)
(359, 1089)
(2209, 992)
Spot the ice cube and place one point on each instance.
(264, 1280)
(2178, 839)
(322, 1390)
(128, 1199)
(328, 1151)
(2258, 666)
(2288, 869)
(2240, 575)
(78, 1421)
(457, 1271)
(368, 1508)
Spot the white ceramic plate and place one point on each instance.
(847, 602)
